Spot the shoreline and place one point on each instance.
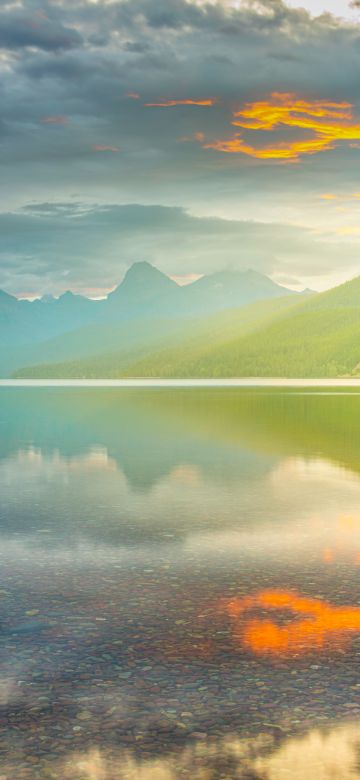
(245, 382)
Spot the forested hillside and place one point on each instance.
(145, 306)
(316, 336)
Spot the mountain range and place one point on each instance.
(223, 325)
(143, 309)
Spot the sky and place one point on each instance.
(199, 135)
(338, 8)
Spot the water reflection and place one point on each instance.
(316, 755)
(312, 626)
(179, 589)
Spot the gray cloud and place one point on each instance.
(19, 29)
(80, 60)
(75, 246)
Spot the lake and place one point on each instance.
(180, 590)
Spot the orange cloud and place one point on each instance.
(315, 626)
(103, 148)
(329, 122)
(193, 137)
(132, 95)
(164, 103)
(54, 120)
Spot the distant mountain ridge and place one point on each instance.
(145, 294)
(291, 336)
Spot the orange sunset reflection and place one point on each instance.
(293, 626)
(346, 542)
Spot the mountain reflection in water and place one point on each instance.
(179, 586)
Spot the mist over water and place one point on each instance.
(179, 587)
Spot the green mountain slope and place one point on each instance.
(89, 342)
(73, 327)
(145, 342)
(318, 336)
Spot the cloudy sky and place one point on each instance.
(195, 134)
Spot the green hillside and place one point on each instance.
(86, 344)
(305, 344)
(97, 357)
(146, 304)
(318, 336)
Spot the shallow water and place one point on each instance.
(179, 587)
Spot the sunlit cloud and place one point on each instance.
(348, 231)
(198, 136)
(329, 122)
(342, 197)
(166, 103)
(315, 626)
(132, 95)
(104, 148)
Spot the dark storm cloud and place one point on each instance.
(77, 246)
(19, 29)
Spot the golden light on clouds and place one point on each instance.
(329, 122)
(343, 197)
(171, 103)
(350, 230)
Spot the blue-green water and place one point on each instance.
(179, 586)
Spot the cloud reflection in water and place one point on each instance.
(317, 755)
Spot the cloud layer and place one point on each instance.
(329, 123)
(53, 247)
(132, 101)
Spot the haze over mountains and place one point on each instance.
(74, 327)
(223, 325)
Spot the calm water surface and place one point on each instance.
(179, 584)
